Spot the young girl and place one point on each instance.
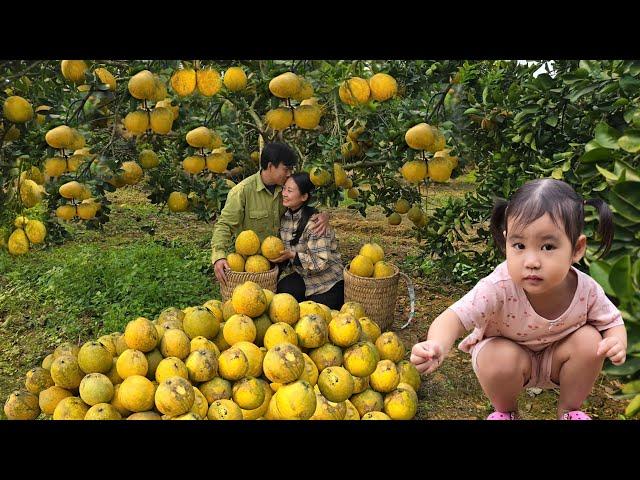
(315, 260)
(537, 321)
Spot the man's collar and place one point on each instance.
(261, 185)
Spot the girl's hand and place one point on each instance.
(285, 256)
(613, 348)
(427, 356)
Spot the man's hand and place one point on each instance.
(427, 356)
(613, 348)
(321, 223)
(219, 267)
(285, 255)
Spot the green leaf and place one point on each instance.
(635, 272)
(607, 136)
(557, 173)
(591, 145)
(629, 191)
(620, 278)
(607, 174)
(630, 172)
(629, 85)
(628, 115)
(552, 121)
(623, 207)
(575, 96)
(472, 110)
(630, 141)
(596, 155)
(599, 271)
(631, 366)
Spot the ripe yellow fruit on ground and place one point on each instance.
(361, 359)
(344, 331)
(224, 410)
(394, 219)
(310, 372)
(336, 384)
(249, 299)
(17, 110)
(383, 87)
(161, 120)
(171, 367)
(132, 362)
(175, 343)
(74, 70)
(312, 331)
(18, 243)
(137, 393)
(202, 365)
(200, 322)
(178, 202)
(194, 164)
(361, 266)
(370, 329)
(141, 334)
(136, 122)
(66, 372)
(414, 171)
(236, 262)
(216, 389)
(285, 85)
(96, 388)
(354, 91)
(142, 85)
(279, 118)
(307, 116)
(105, 76)
(70, 408)
(235, 79)
(22, 405)
(328, 355)
(279, 332)
(420, 137)
(209, 82)
(283, 363)
(385, 377)
(38, 379)
(132, 172)
(239, 328)
(296, 401)
(247, 243)
(390, 347)
(375, 416)
(103, 411)
(248, 393)
(368, 401)
(409, 374)
(94, 357)
(183, 81)
(401, 404)
(233, 364)
(48, 399)
(284, 308)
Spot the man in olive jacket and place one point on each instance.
(256, 204)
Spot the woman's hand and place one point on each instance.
(321, 223)
(285, 256)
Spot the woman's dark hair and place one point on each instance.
(305, 185)
(557, 198)
(277, 153)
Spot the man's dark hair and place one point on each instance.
(277, 153)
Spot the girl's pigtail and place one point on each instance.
(605, 224)
(498, 225)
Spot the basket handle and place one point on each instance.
(412, 299)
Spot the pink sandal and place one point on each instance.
(502, 416)
(575, 415)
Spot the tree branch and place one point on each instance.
(20, 74)
(440, 102)
(365, 163)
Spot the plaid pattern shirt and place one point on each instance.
(321, 266)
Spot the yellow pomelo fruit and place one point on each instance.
(311, 101)
(178, 202)
(86, 210)
(202, 365)
(200, 405)
(402, 206)
(344, 331)
(383, 269)
(361, 266)
(439, 169)
(353, 193)
(105, 76)
(203, 343)
(415, 214)
(117, 403)
(351, 411)
(310, 372)
(171, 367)
(66, 348)
(70, 408)
(49, 398)
(360, 384)
(385, 378)
(66, 212)
(144, 416)
(272, 412)
(47, 361)
(239, 328)
(373, 251)
(285, 85)
(254, 355)
(339, 175)
(401, 404)
(59, 137)
(108, 341)
(336, 384)
(233, 364)
(209, 82)
(249, 299)
(350, 149)
(278, 333)
(20, 221)
(74, 162)
(367, 401)
(94, 357)
(218, 162)
(414, 171)
(390, 347)
(307, 116)
(420, 137)
(113, 374)
(66, 372)
(136, 122)
(38, 379)
(171, 313)
(235, 79)
(215, 389)
(328, 355)
(284, 308)
(136, 393)
(103, 411)
(319, 177)
(96, 388)
(131, 362)
(224, 410)
(200, 322)
(248, 393)
(271, 247)
(228, 310)
(304, 92)
(257, 264)
(142, 85)
(262, 323)
(148, 159)
(22, 405)
(74, 70)
(161, 120)
(236, 262)
(439, 140)
(199, 137)
(175, 343)
(18, 243)
(296, 401)
(312, 331)
(174, 396)
(328, 410)
(194, 164)
(394, 219)
(279, 118)
(78, 141)
(30, 193)
(283, 363)
(409, 374)
(370, 329)
(17, 110)
(12, 134)
(361, 359)
(54, 167)
(258, 412)
(183, 81)
(309, 307)
(141, 334)
(383, 87)
(375, 416)
(354, 91)
(175, 110)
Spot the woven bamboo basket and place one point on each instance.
(377, 295)
(267, 280)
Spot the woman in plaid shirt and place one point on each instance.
(315, 260)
